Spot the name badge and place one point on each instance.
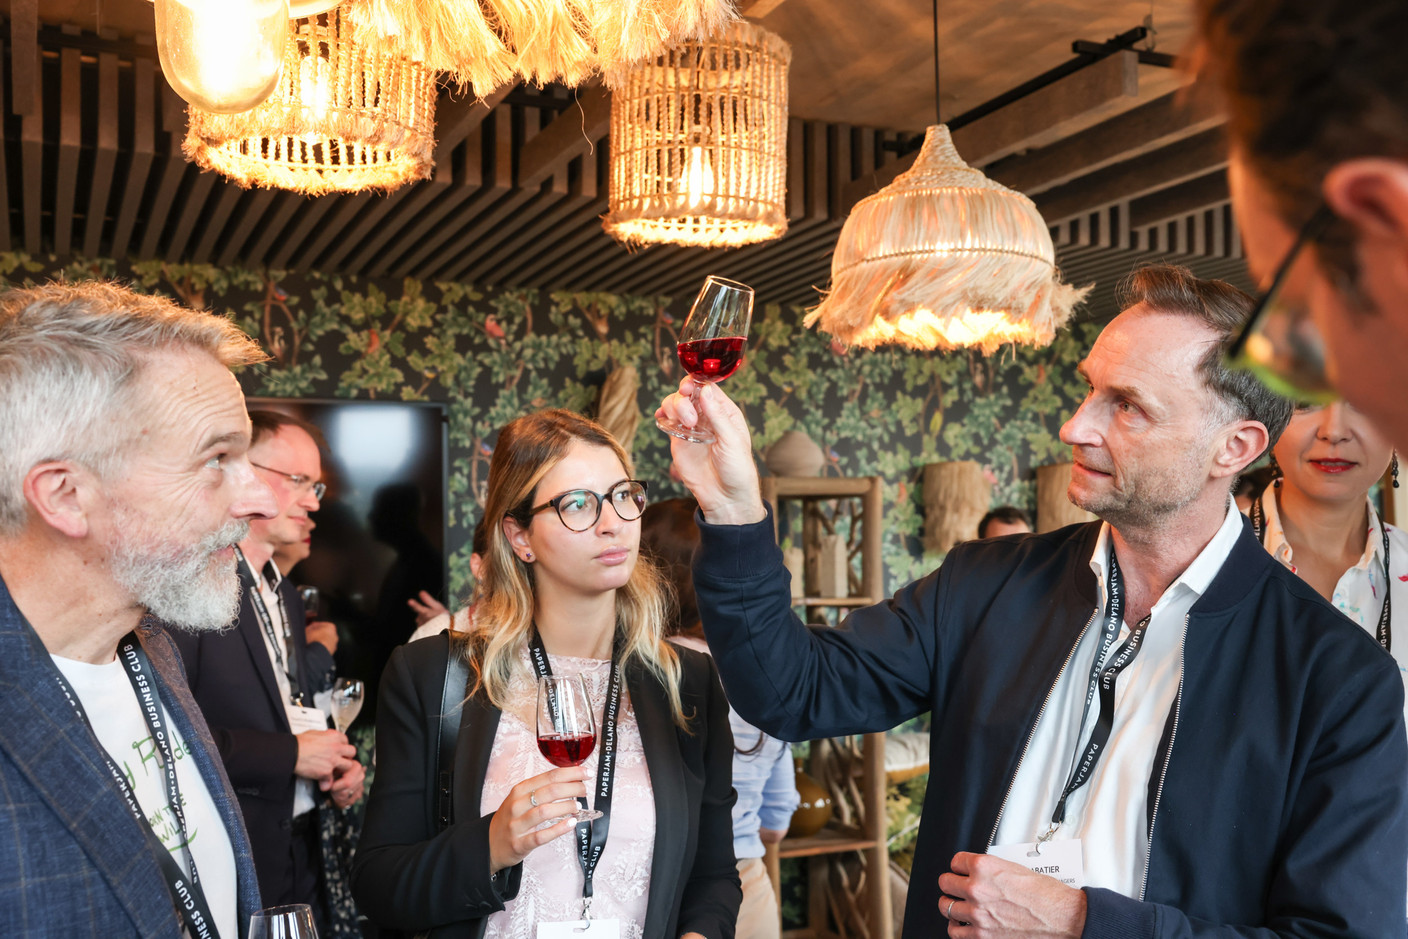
(1064, 860)
(302, 719)
(581, 929)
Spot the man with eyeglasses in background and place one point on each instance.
(255, 684)
(1317, 93)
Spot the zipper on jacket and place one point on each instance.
(1168, 755)
(1032, 733)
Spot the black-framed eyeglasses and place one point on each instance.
(1279, 343)
(299, 482)
(579, 509)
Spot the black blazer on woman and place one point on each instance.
(411, 876)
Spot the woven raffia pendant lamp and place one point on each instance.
(944, 258)
(699, 144)
(342, 119)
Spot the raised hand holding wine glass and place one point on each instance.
(711, 344)
(566, 727)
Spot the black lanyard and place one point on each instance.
(591, 835)
(1103, 674)
(288, 660)
(1385, 632)
(186, 892)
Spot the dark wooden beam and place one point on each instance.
(25, 83)
(192, 205)
(1195, 195)
(144, 97)
(70, 146)
(339, 226)
(104, 153)
(173, 124)
(225, 205)
(571, 134)
(1149, 127)
(1187, 159)
(458, 117)
(272, 225)
(31, 142)
(252, 207)
(309, 219)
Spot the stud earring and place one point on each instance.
(1393, 469)
(527, 557)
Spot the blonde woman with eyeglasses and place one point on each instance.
(563, 591)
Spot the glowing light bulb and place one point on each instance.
(698, 177)
(222, 55)
(315, 92)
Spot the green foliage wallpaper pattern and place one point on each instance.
(493, 354)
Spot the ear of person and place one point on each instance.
(1372, 195)
(61, 494)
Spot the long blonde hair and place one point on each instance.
(504, 598)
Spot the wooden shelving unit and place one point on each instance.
(848, 860)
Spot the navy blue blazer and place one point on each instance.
(232, 680)
(73, 861)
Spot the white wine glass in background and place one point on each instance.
(347, 697)
(294, 921)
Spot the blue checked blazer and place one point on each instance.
(73, 861)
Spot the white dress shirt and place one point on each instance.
(269, 593)
(1110, 812)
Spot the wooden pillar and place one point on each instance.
(956, 496)
(1053, 509)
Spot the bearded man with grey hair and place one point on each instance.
(124, 486)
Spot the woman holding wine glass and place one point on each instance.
(563, 594)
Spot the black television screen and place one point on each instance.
(380, 534)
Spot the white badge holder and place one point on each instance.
(581, 929)
(1063, 860)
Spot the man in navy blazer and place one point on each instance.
(124, 486)
(255, 683)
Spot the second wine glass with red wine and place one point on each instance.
(711, 344)
(566, 727)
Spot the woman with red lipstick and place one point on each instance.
(1317, 519)
(562, 590)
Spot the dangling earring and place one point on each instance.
(1275, 468)
(1393, 469)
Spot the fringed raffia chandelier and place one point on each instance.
(699, 143)
(945, 258)
(343, 118)
(488, 43)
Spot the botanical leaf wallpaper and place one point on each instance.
(493, 354)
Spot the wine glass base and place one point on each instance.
(692, 434)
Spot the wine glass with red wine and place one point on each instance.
(711, 344)
(566, 727)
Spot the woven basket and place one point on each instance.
(342, 119)
(945, 258)
(714, 113)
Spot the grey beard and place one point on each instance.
(185, 590)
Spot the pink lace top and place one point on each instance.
(551, 887)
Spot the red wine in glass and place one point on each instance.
(711, 345)
(566, 728)
(566, 749)
(711, 359)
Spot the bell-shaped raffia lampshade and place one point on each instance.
(945, 258)
(699, 143)
(487, 43)
(342, 119)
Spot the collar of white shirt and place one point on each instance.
(1195, 577)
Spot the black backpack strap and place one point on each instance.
(452, 697)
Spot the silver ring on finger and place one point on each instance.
(948, 913)
(533, 798)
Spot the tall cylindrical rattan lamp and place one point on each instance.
(699, 143)
(341, 119)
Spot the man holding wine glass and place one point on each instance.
(1142, 727)
(255, 685)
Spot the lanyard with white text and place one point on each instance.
(591, 836)
(186, 892)
(287, 660)
(1385, 631)
(1103, 675)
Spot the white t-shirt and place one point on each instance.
(1110, 812)
(116, 718)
